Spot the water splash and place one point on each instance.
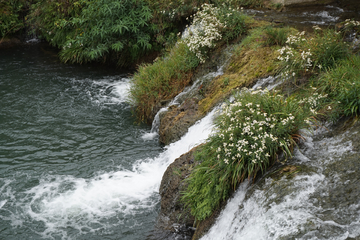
(103, 201)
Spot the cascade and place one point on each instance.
(304, 206)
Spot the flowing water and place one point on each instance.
(320, 201)
(73, 165)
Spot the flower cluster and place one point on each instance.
(295, 60)
(204, 31)
(351, 23)
(301, 55)
(251, 131)
(312, 102)
(296, 39)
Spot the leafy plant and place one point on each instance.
(50, 20)
(212, 24)
(107, 26)
(251, 133)
(10, 20)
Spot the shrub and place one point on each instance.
(204, 31)
(106, 26)
(250, 134)
(50, 20)
(93, 30)
(210, 25)
(10, 20)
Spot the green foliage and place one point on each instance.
(162, 80)
(234, 22)
(303, 55)
(50, 19)
(328, 47)
(276, 36)
(10, 20)
(342, 84)
(106, 26)
(251, 133)
(212, 25)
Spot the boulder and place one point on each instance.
(174, 216)
(176, 122)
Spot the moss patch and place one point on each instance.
(245, 67)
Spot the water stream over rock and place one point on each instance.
(314, 196)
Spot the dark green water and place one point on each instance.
(72, 161)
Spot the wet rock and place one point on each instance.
(176, 122)
(174, 217)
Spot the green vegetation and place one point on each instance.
(162, 80)
(251, 133)
(10, 16)
(167, 77)
(303, 56)
(267, 36)
(254, 130)
(342, 84)
(120, 31)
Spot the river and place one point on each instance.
(73, 163)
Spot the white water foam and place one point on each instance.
(324, 17)
(101, 202)
(111, 91)
(269, 82)
(260, 218)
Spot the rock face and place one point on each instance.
(177, 121)
(301, 2)
(174, 216)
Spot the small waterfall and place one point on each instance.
(178, 100)
(105, 200)
(268, 82)
(311, 205)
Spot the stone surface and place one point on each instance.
(175, 123)
(173, 214)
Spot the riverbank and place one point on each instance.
(300, 78)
